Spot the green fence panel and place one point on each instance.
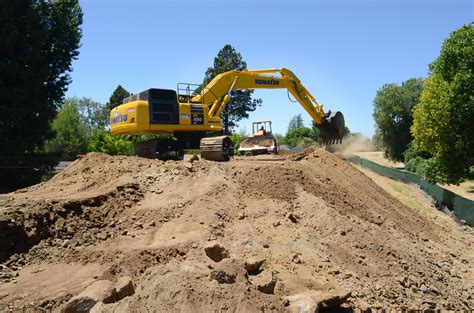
(463, 208)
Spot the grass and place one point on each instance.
(410, 195)
(405, 194)
(465, 189)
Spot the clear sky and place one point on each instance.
(342, 51)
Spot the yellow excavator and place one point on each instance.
(192, 117)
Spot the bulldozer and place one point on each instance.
(191, 115)
(261, 141)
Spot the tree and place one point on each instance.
(117, 97)
(377, 140)
(93, 114)
(241, 102)
(444, 118)
(38, 40)
(301, 135)
(393, 117)
(71, 132)
(295, 122)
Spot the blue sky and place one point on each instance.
(342, 51)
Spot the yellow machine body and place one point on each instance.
(134, 118)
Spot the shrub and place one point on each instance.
(114, 145)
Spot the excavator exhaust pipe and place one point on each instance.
(332, 128)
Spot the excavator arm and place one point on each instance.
(216, 95)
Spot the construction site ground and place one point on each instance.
(296, 232)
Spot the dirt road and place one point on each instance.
(304, 231)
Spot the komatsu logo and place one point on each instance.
(267, 82)
(118, 118)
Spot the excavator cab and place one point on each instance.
(332, 127)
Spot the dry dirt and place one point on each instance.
(304, 231)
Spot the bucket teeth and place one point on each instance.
(332, 128)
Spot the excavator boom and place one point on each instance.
(331, 125)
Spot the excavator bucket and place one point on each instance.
(332, 128)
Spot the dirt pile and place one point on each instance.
(308, 231)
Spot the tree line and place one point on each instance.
(429, 123)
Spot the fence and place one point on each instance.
(463, 208)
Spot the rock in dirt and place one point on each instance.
(253, 264)
(124, 288)
(223, 277)
(216, 251)
(228, 271)
(99, 291)
(265, 282)
(315, 302)
(293, 217)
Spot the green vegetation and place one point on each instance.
(299, 135)
(75, 124)
(104, 142)
(241, 102)
(438, 112)
(39, 41)
(444, 118)
(71, 134)
(237, 138)
(392, 114)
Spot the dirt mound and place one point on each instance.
(308, 231)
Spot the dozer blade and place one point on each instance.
(258, 145)
(332, 128)
(219, 148)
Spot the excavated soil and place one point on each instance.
(306, 231)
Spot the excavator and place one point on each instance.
(191, 116)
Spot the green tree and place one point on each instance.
(295, 122)
(301, 135)
(93, 114)
(241, 102)
(38, 40)
(71, 132)
(444, 118)
(393, 117)
(117, 97)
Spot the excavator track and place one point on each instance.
(146, 149)
(220, 148)
(163, 149)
